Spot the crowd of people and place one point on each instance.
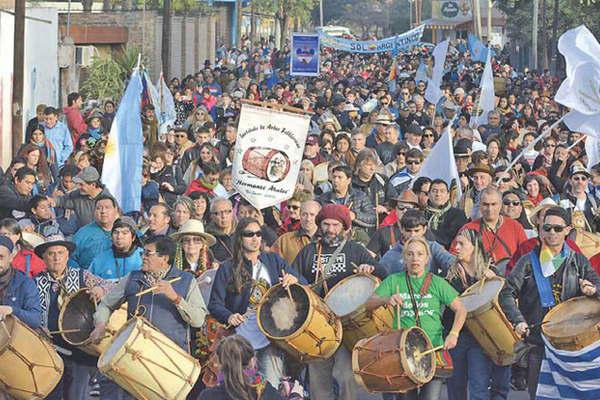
(360, 207)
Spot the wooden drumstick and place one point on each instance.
(153, 288)
(398, 308)
(433, 350)
(64, 331)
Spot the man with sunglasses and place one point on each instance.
(548, 275)
(403, 180)
(578, 201)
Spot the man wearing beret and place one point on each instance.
(329, 259)
(18, 294)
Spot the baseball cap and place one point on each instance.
(88, 175)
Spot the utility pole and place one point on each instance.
(166, 39)
(490, 5)
(477, 15)
(554, 55)
(544, 38)
(238, 32)
(18, 75)
(534, 35)
(321, 12)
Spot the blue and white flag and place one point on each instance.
(478, 50)
(569, 375)
(394, 43)
(305, 58)
(433, 92)
(580, 91)
(122, 169)
(168, 115)
(421, 75)
(487, 98)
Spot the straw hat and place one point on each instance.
(195, 228)
(54, 240)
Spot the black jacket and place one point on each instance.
(219, 393)
(384, 239)
(358, 202)
(169, 174)
(449, 225)
(11, 200)
(521, 285)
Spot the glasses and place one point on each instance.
(192, 240)
(223, 212)
(413, 162)
(513, 203)
(292, 207)
(249, 234)
(404, 207)
(180, 136)
(580, 178)
(149, 253)
(555, 228)
(505, 179)
(549, 145)
(428, 135)
(401, 153)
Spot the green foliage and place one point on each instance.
(105, 79)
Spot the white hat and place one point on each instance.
(196, 228)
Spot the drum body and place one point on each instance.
(588, 242)
(573, 324)
(304, 327)
(147, 364)
(486, 320)
(265, 163)
(77, 312)
(30, 368)
(387, 362)
(347, 298)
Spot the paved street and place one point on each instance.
(512, 396)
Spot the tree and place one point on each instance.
(284, 10)
(87, 5)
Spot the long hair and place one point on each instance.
(42, 167)
(479, 260)
(234, 353)
(240, 274)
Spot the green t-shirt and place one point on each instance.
(430, 306)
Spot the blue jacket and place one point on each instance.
(106, 266)
(224, 301)
(439, 263)
(60, 137)
(22, 295)
(90, 240)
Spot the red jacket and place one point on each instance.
(595, 262)
(75, 122)
(197, 186)
(36, 265)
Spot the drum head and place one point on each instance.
(78, 313)
(420, 369)
(572, 317)
(477, 296)
(350, 293)
(205, 282)
(117, 343)
(281, 317)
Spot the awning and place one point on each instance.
(445, 24)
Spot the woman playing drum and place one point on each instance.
(471, 364)
(420, 296)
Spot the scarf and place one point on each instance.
(542, 278)
(5, 278)
(46, 284)
(436, 214)
(154, 277)
(206, 184)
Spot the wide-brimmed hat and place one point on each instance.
(94, 114)
(349, 107)
(54, 240)
(577, 168)
(408, 197)
(485, 168)
(194, 227)
(384, 119)
(34, 239)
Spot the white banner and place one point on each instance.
(268, 153)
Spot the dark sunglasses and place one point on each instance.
(555, 228)
(292, 207)
(549, 145)
(506, 179)
(511, 203)
(580, 178)
(180, 136)
(413, 162)
(428, 135)
(249, 234)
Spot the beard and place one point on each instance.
(333, 241)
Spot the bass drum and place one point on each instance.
(30, 368)
(573, 324)
(303, 326)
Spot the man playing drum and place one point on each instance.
(173, 306)
(54, 286)
(326, 261)
(550, 274)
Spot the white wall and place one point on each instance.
(41, 75)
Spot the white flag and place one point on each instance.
(440, 163)
(487, 98)
(433, 92)
(167, 105)
(580, 91)
(592, 149)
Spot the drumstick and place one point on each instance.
(433, 350)
(398, 308)
(153, 288)
(64, 331)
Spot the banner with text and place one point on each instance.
(393, 43)
(305, 57)
(268, 153)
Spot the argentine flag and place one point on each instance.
(122, 169)
(478, 50)
(569, 375)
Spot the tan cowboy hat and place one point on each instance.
(34, 239)
(195, 228)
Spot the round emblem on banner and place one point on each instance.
(450, 9)
(262, 162)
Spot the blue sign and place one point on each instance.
(393, 43)
(305, 57)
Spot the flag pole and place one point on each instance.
(139, 61)
(532, 145)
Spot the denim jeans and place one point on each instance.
(321, 375)
(111, 391)
(270, 364)
(500, 382)
(430, 391)
(75, 382)
(533, 369)
(472, 371)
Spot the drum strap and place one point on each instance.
(422, 292)
(496, 237)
